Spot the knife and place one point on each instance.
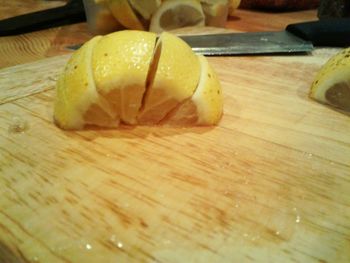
(72, 12)
(296, 38)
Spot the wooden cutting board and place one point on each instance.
(270, 183)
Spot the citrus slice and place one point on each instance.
(216, 12)
(77, 103)
(174, 14)
(124, 14)
(120, 63)
(173, 77)
(145, 8)
(206, 104)
(332, 83)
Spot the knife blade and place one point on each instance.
(296, 38)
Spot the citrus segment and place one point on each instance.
(332, 83)
(206, 104)
(76, 93)
(120, 63)
(173, 77)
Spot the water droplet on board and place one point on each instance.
(18, 125)
(297, 219)
(113, 239)
(277, 233)
(88, 246)
(35, 259)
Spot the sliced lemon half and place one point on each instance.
(332, 83)
(174, 14)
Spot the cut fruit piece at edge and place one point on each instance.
(145, 8)
(233, 5)
(124, 14)
(174, 14)
(332, 83)
(216, 12)
(77, 102)
(173, 78)
(120, 63)
(205, 107)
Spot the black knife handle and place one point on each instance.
(72, 12)
(332, 32)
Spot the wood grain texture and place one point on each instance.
(270, 183)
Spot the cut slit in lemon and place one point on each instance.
(332, 83)
(120, 63)
(173, 78)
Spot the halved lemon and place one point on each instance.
(332, 83)
(173, 78)
(174, 14)
(130, 77)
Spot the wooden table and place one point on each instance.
(270, 183)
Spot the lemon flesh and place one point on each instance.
(77, 103)
(125, 15)
(205, 107)
(173, 78)
(145, 8)
(332, 83)
(120, 64)
(174, 14)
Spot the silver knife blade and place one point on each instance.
(248, 43)
(251, 43)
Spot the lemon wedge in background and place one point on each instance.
(120, 63)
(233, 5)
(174, 14)
(332, 83)
(124, 14)
(206, 104)
(173, 78)
(216, 12)
(145, 8)
(77, 103)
